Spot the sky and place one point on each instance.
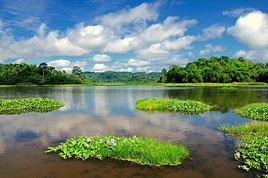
(133, 36)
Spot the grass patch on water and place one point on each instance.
(258, 111)
(172, 105)
(252, 153)
(229, 88)
(144, 151)
(23, 105)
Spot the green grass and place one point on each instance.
(144, 151)
(228, 88)
(248, 130)
(172, 105)
(23, 105)
(257, 111)
(253, 151)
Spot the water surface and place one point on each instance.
(111, 111)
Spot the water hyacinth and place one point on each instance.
(23, 105)
(253, 151)
(172, 105)
(258, 111)
(144, 151)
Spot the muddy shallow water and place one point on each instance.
(111, 111)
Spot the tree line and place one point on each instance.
(126, 77)
(12, 74)
(216, 70)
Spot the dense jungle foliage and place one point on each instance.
(12, 74)
(126, 77)
(216, 70)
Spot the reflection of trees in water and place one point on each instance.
(224, 100)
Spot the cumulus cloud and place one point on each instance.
(237, 12)
(137, 63)
(101, 58)
(245, 54)
(100, 68)
(214, 31)
(66, 65)
(163, 50)
(139, 14)
(211, 49)
(171, 27)
(251, 29)
(122, 45)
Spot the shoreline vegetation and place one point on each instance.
(252, 154)
(24, 105)
(205, 72)
(143, 151)
(172, 105)
(220, 85)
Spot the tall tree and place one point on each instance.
(43, 67)
(76, 70)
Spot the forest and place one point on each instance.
(126, 77)
(213, 70)
(12, 74)
(216, 70)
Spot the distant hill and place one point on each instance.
(216, 70)
(111, 76)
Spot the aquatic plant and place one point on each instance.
(23, 105)
(258, 111)
(229, 88)
(172, 105)
(252, 153)
(144, 151)
(252, 129)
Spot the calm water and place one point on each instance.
(111, 110)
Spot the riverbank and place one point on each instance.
(236, 84)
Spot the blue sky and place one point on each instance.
(121, 35)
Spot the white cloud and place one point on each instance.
(252, 30)
(18, 61)
(162, 51)
(214, 31)
(66, 65)
(101, 58)
(89, 37)
(100, 68)
(122, 45)
(211, 49)
(171, 27)
(137, 63)
(237, 12)
(245, 54)
(139, 14)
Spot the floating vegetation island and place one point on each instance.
(253, 151)
(144, 151)
(172, 105)
(258, 111)
(229, 88)
(23, 105)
